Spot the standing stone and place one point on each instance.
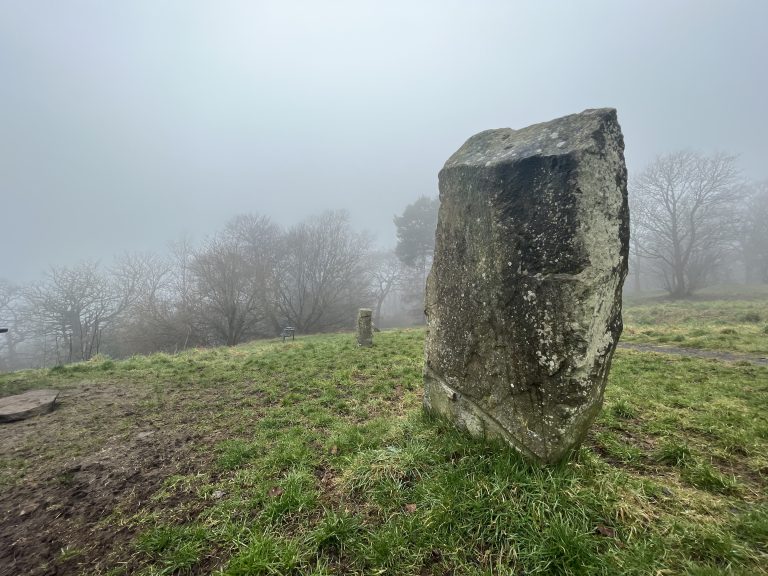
(364, 327)
(523, 301)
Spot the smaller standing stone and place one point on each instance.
(364, 327)
(30, 403)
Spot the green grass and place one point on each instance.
(733, 319)
(319, 460)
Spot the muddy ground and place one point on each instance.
(68, 476)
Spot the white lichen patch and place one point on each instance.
(472, 423)
(529, 296)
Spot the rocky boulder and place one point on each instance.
(523, 300)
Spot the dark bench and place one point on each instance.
(288, 331)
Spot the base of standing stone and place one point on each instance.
(443, 401)
(25, 405)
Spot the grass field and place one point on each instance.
(314, 457)
(731, 318)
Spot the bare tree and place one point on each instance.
(753, 237)
(183, 302)
(636, 242)
(386, 271)
(321, 279)
(155, 318)
(233, 279)
(73, 307)
(685, 210)
(262, 240)
(14, 315)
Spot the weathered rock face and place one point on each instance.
(31, 403)
(364, 327)
(524, 298)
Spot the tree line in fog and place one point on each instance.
(694, 222)
(249, 280)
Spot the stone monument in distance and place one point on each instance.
(523, 301)
(364, 328)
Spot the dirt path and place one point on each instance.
(104, 450)
(696, 353)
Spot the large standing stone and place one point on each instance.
(364, 327)
(524, 297)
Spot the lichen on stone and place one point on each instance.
(524, 297)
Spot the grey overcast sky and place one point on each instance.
(125, 125)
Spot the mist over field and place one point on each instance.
(560, 362)
(124, 127)
(182, 174)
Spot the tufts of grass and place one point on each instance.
(266, 554)
(674, 453)
(391, 467)
(752, 317)
(294, 496)
(336, 532)
(707, 477)
(176, 549)
(236, 453)
(68, 553)
(623, 409)
(352, 438)
(752, 526)
(316, 458)
(617, 448)
(702, 322)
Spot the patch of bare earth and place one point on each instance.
(67, 472)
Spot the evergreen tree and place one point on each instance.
(416, 232)
(415, 247)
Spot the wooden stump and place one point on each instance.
(30, 403)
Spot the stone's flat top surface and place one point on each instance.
(27, 404)
(556, 137)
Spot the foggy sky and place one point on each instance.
(125, 125)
